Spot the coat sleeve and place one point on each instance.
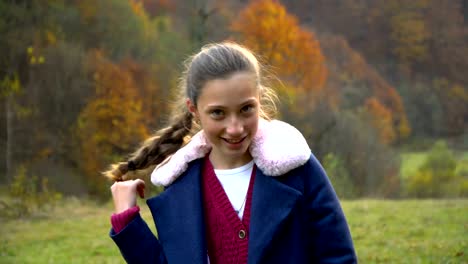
(330, 237)
(138, 244)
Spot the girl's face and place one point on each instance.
(228, 113)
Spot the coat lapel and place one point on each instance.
(272, 202)
(178, 214)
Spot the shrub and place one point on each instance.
(371, 165)
(339, 176)
(436, 178)
(27, 195)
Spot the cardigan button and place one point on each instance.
(242, 234)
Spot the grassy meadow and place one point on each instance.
(407, 231)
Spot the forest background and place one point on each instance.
(378, 88)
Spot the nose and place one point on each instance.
(234, 127)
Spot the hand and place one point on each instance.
(124, 194)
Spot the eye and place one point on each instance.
(247, 109)
(216, 113)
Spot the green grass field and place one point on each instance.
(410, 231)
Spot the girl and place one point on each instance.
(243, 189)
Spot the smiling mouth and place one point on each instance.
(234, 141)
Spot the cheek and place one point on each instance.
(211, 127)
(253, 125)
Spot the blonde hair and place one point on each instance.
(214, 61)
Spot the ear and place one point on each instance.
(191, 107)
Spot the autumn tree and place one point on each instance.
(371, 166)
(112, 123)
(362, 23)
(448, 41)
(138, 35)
(27, 29)
(358, 86)
(204, 21)
(426, 37)
(409, 33)
(381, 118)
(453, 99)
(294, 52)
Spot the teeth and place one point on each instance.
(233, 140)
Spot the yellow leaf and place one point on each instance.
(51, 39)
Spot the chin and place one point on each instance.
(239, 152)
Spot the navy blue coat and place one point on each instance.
(295, 218)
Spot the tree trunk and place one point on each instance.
(9, 138)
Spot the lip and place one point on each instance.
(234, 143)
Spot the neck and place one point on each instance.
(223, 163)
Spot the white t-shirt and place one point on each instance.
(235, 183)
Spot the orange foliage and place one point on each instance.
(267, 28)
(389, 96)
(351, 76)
(137, 7)
(154, 100)
(112, 123)
(381, 119)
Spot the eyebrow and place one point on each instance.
(248, 101)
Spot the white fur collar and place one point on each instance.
(276, 149)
